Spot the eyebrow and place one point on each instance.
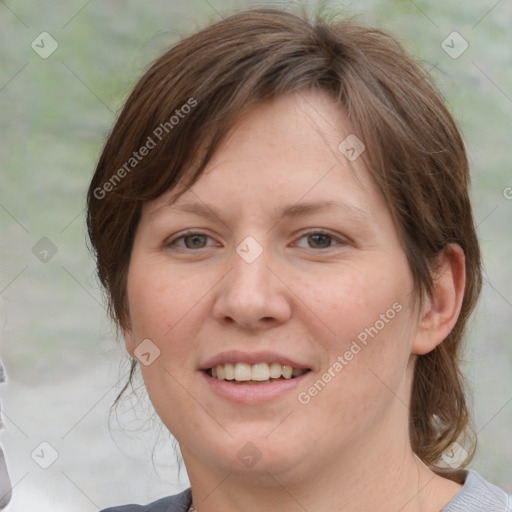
(295, 210)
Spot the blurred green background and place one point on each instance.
(58, 347)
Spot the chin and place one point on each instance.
(255, 455)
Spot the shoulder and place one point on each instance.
(178, 503)
(479, 495)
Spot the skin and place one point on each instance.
(307, 296)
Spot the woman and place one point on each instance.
(281, 221)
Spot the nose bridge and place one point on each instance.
(250, 274)
(251, 254)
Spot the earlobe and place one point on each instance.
(441, 310)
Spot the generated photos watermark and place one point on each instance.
(305, 397)
(152, 141)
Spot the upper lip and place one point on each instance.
(239, 356)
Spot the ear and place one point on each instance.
(441, 310)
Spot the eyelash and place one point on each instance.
(188, 234)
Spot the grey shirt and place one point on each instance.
(477, 495)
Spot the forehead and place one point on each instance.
(290, 149)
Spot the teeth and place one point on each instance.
(287, 372)
(243, 372)
(260, 371)
(229, 371)
(275, 370)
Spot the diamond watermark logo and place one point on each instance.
(44, 455)
(351, 147)
(455, 455)
(454, 45)
(249, 249)
(44, 250)
(147, 352)
(44, 45)
(249, 455)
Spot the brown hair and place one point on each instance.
(414, 153)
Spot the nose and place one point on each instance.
(253, 294)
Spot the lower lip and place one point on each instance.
(253, 393)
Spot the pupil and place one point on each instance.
(316, 238)
(196, 241)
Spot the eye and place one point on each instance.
(196, 240)
(320, 240)
(190, 240)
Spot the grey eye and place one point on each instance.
(320, 240)
(195, 241)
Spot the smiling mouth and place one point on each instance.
(260, 373)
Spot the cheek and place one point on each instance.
(359, 302)
(165, 307)
(163, 303)
(365, 335)
(360, 384)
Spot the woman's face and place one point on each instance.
(282, 259)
